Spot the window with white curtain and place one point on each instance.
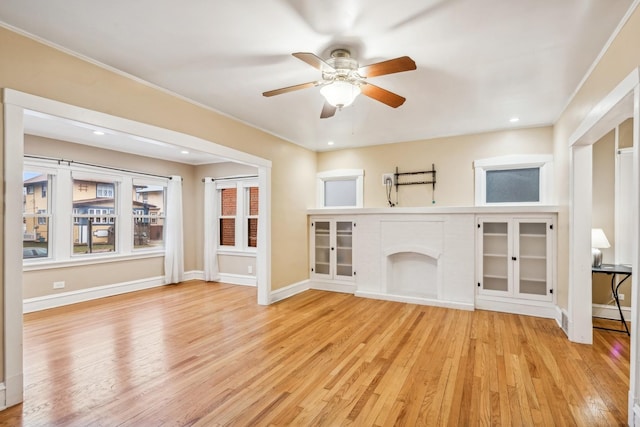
(238, 215)
(93, 212)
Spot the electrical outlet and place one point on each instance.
(250, 269)
(58, 285)
(621, 297)
(386, 177)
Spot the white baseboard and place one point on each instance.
(610, 312)
(72, 297)
(549, 311)
(232, 279)
(238, 279)
(416, 300)
(345, 288)
(289, 291)
(13, 390)
(3, 397)
(193, 275)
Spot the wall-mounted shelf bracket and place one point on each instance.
(416, 178)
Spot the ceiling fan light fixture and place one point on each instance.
(340, 93)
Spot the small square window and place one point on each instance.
(341, 188)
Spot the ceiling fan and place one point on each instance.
(343, 80)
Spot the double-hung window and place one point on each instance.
(238, 215)
(94, 214)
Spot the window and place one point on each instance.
(238, 215)
(228, 204)
(36, 219)
(340, 189)
(98, 213)
(148, 215)
(104, 190)
(252, 217)
(513, 180)
(94, 219)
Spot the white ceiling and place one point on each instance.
(479, 62)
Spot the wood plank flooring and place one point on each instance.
(204, 354)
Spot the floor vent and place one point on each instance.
(565, 323)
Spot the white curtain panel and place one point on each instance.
(211, 270)
(174, 246)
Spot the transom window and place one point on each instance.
(514, 180)
(341, 188)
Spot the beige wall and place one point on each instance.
(453, 158)
(603, 210)
(622, 57)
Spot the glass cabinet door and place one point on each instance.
(532, 265)
(344, 239)
(495, 260)
(322, 261)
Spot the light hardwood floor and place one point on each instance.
(205, 354)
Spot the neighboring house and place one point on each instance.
(35, 202)
(94, 212)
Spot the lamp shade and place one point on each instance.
(340, 93)
(598, 239)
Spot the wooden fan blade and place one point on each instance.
(289, 89)
(313, 60)
(382, 95)
(397, 65)
(328, 110)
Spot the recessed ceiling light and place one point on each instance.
(184, 152)
(98, 132)
(514, 119)
(330, 143)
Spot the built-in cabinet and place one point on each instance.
(332, 249)
(498, 258)
(515, 257)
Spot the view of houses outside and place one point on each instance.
(94, 216)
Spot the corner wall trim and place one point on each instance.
(65, 298)
(289, 291)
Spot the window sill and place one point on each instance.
(83, 260)
(235, 252)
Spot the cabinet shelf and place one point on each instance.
(529, 279)
(494, 276)
(495, 234)
(538, 257)
(495, 255)
(535, 236)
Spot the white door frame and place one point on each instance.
(14, 103)
(620, 104)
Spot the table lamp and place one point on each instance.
(598, 241)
